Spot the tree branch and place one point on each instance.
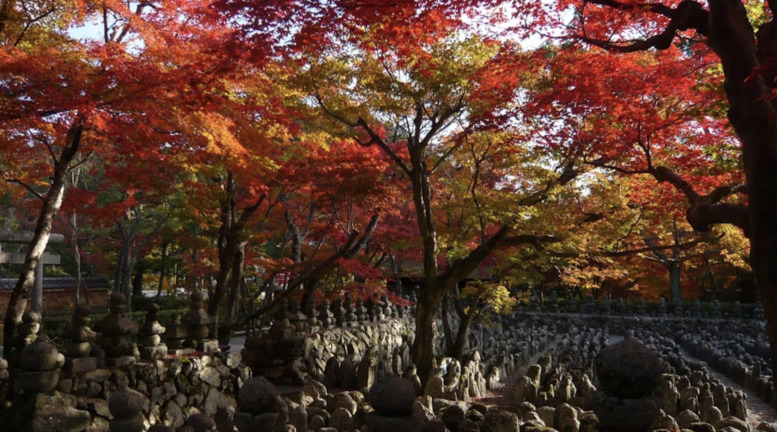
(685, 16)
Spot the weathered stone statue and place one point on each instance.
(79, 342)
(197, 322)
(174, 335)
(628, 374)
(116, 333)
(150, 341)
(350, 312)
(662, 310)
(297, 319)
(40, 407)
(325, 315)
(27, 332)
(715, 308)
(126, 407)
(696, 309)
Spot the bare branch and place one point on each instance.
(26, 186)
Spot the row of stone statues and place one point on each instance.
(115, 334)
(112, 340)
(294, 318)
(606, 306)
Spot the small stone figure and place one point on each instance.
(715, 308)
(324, 315)
(175, 334)
(297, 319)
(641, 306)
(281, 326)
(410, 374)
(116, 332)
(758, 312)
(126, 407)
(620, 307)
(696, 309)
(553, 302)
(736, 310)
(534, 302)
(338, 312)
(588, 306)
(197, 322)
(662, 310)
(678, 308)
(309, 309)
(361, 311)
(40, 407)
(388, 308)
(150, 335)
(571, 305)
(605, 305)
(79, 345)
(350, 315)
(27, 332)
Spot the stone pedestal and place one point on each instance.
(81, 365)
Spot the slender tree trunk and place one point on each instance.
(162, 268)
(51, 204)
(462, 334)
(675, 288)
(231, 237)
(446, 326)
(76, 257)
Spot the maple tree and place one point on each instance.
(419, 101)
(105, 97)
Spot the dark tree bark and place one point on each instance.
(137, 280)
(232, 236)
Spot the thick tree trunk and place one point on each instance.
(232, 233)
(754, 119)
(235, 282)
(51, 204)
(137, 280)
(425, 348)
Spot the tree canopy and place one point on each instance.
(275, 148)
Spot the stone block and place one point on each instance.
(122, 361)
(78, 366)
(153, 353)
